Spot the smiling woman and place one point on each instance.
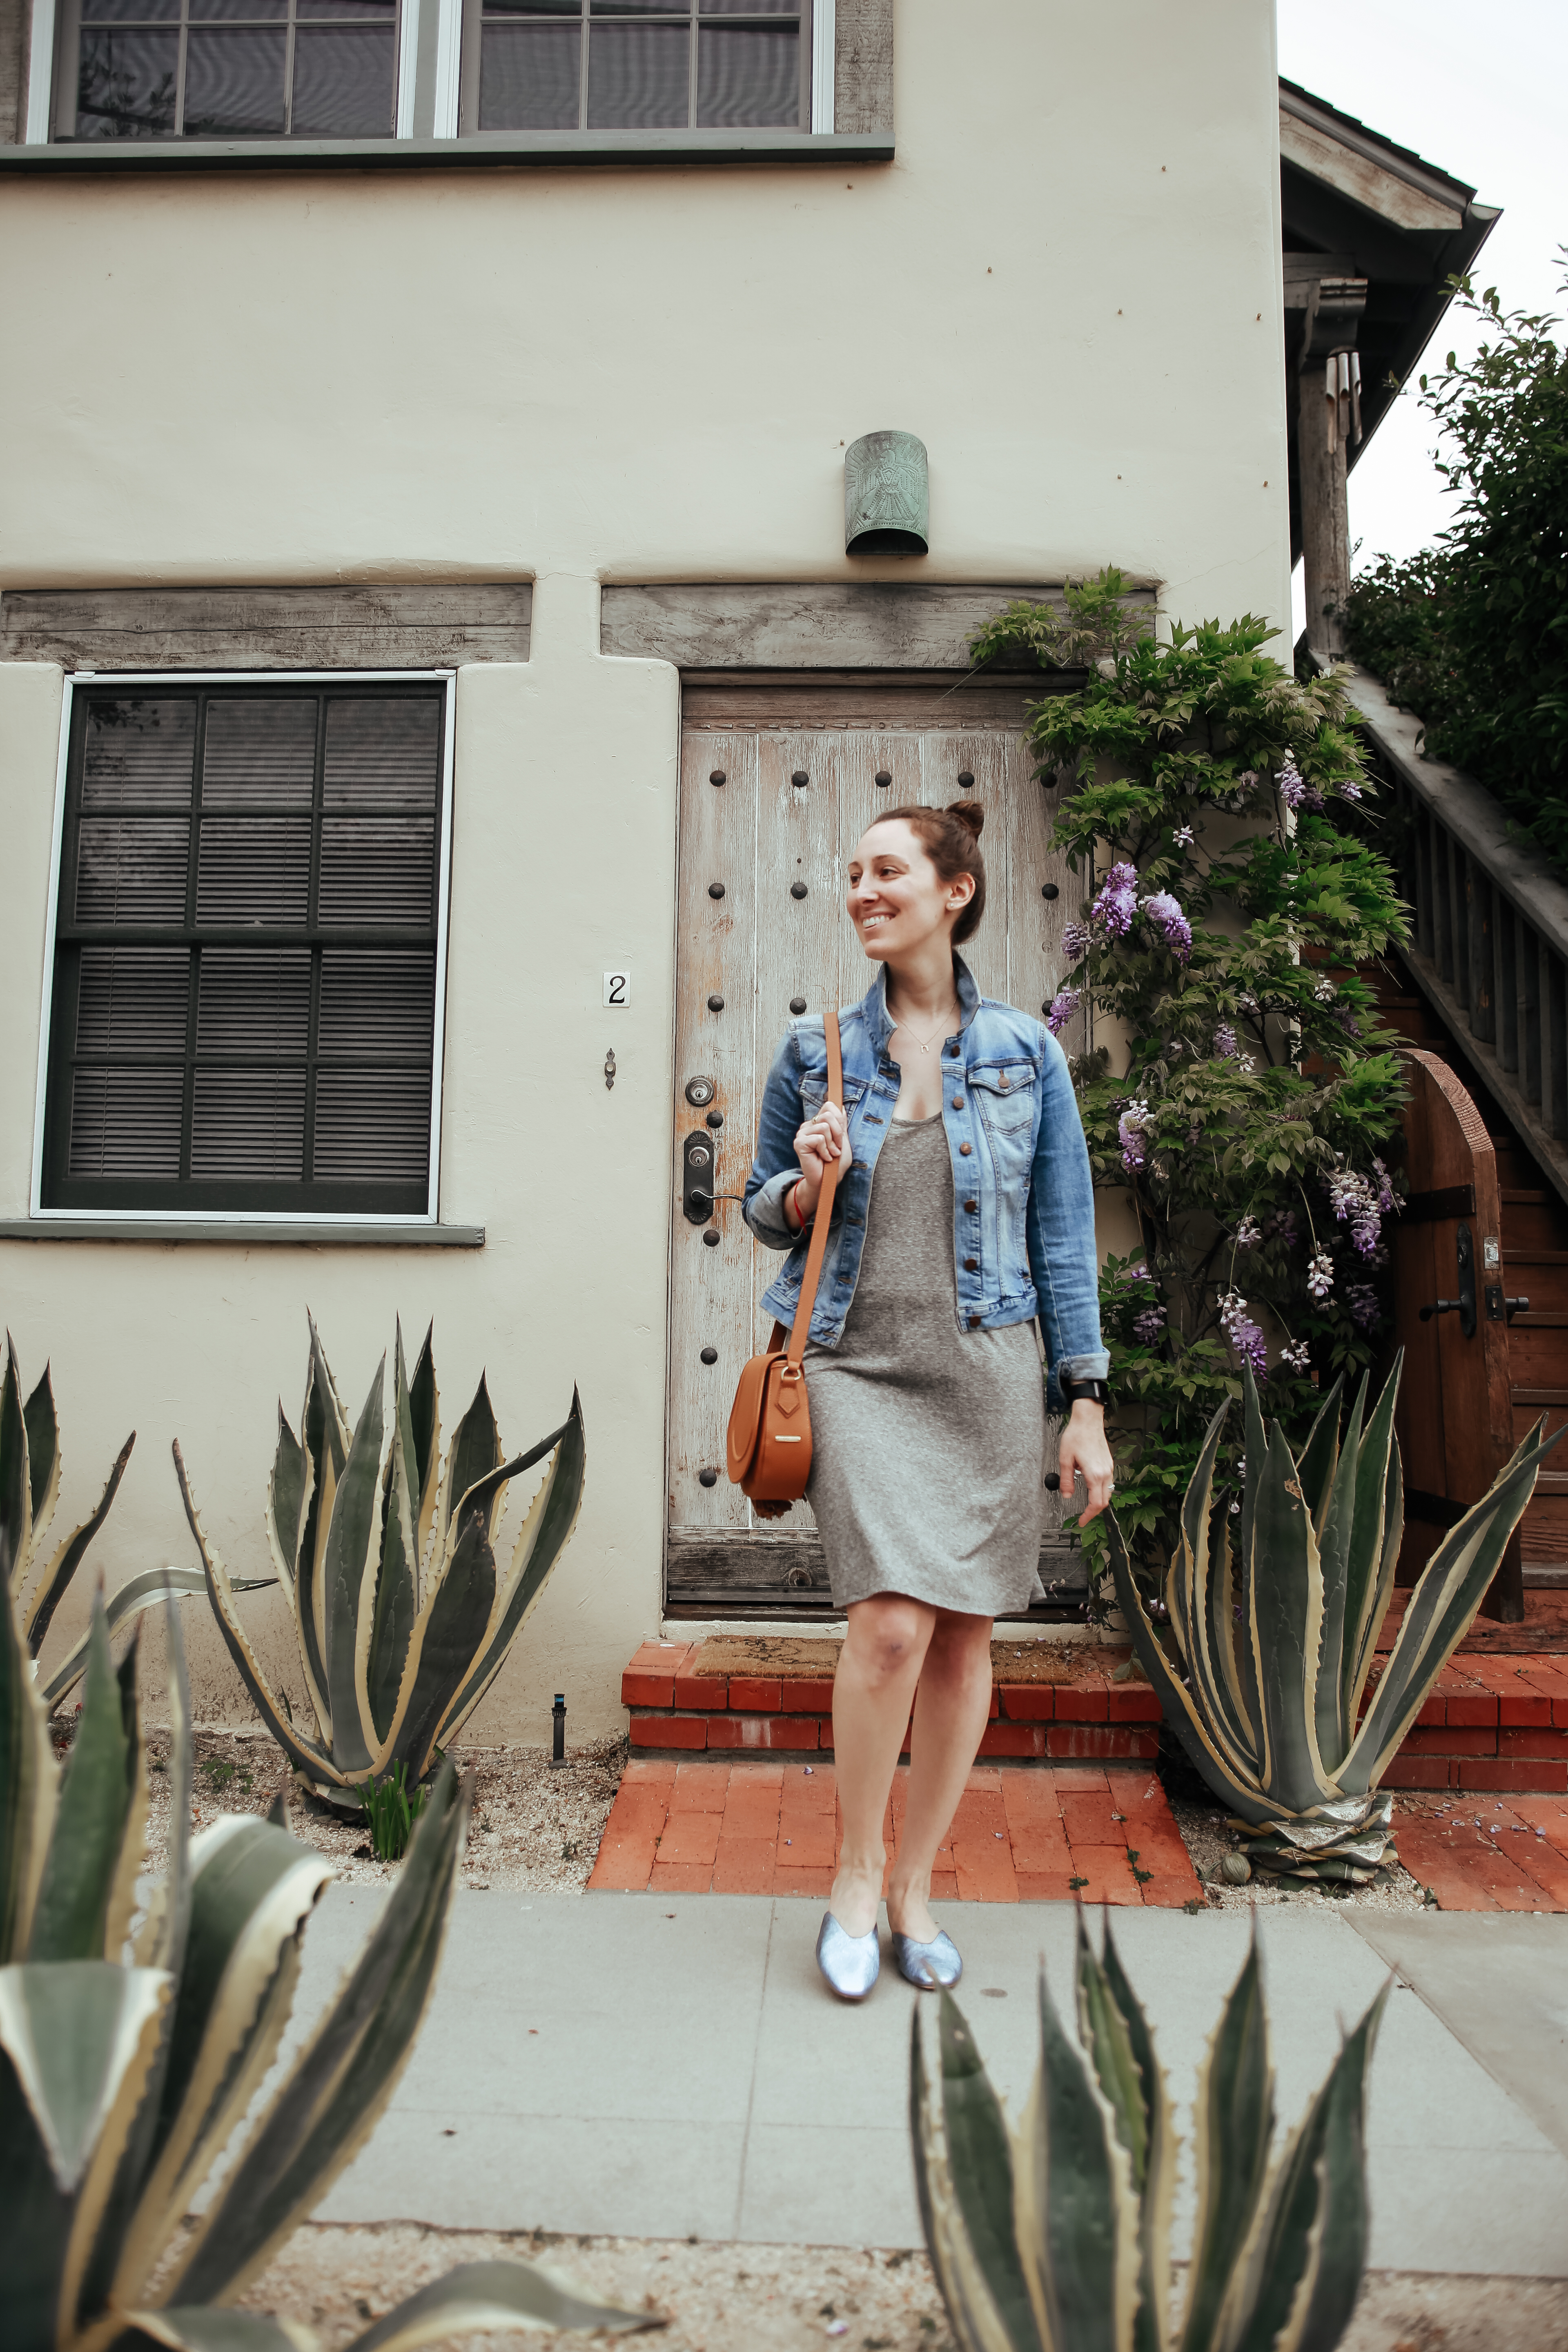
(964, 1211)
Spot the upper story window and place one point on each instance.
(633, 65)
(246, 951)
(336, 70)
(228, 69)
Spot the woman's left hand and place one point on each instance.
(1084, 1453)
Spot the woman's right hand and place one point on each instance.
(824, 1139)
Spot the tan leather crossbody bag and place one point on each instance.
(769, 1443)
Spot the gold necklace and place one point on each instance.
(925, 1043)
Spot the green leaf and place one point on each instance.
(128, 1601)
(1285, 1621)
(425, 1421)
(80, 2034)
(1321, 1454)
(1151, 2331)
(84, 1885)
(27, 1779)
(204, 2328)
(70, 1555)
(1077, 2220)
(498, 2295)
(340, 2082)
(1232, 2121)
(286, 1498)
(16, 1491)
(1336, 1533)
(351, 1539)
(391, 1621)
(43, 1449)
(476, 1453)
(981, 2166)
(325, 1440)
(1374, 1551)
(445, 1642)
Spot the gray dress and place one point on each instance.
(928, 1443)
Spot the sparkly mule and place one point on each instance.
(934, 1967)
(849, 1962)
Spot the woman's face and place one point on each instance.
(896, 900)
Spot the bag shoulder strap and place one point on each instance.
(801, 1330)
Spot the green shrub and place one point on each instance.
(1472, 635)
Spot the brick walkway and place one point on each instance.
(1020, 1835)
(1480, 1855)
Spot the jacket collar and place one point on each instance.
(880, 1026)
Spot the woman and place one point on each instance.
(963, 1210)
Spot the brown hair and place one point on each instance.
(951, 839)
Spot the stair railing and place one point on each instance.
(1490, 924)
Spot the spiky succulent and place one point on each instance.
(1276, 1635)
(1056, 2237)
(402, 1619)
(132, 2049)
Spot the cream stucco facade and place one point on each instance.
(1068, 284)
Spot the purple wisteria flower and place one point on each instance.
(1362, 1300)
(1297, 1358)
(1165, 913)
(1116, 903)
(1148, 1326)
(1362, 1203)
(1281, 1227)
(1064, 1005)
(1247, 778)
(1295, 791)
(1350, 789)
(1248, 1233)
(1347, 1020)
(1321, 1277)
(1183, 836)
(1225, 1041)
(1129, 1135)
(1246, 1337)
(1077, 941)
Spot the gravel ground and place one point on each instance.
(735, 2298)
(535, 1828)
(1202, 1826)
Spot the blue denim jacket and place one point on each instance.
(1023, 1241)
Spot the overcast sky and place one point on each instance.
(1481, 93)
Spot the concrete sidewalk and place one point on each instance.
(667, 2067)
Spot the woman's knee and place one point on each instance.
(888, 1635)
(959, 1644)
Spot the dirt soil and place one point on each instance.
(535, 1827)
(741, 2298)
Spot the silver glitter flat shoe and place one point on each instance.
(849, 1962)
(934, 1966)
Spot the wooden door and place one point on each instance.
(1454, 1416)
(778, 783)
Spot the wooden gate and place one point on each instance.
(778, 783)
(1454, 1416)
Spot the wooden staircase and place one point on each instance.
(1535, 1266)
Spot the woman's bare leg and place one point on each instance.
(879, 1667)
(950, 1712)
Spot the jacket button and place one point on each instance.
(1003, 1084)
(975, 1321)
(958, 1102)
(971, 1266)
(964, 1150)
(970, 1207)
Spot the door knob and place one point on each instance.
(1464, 1306)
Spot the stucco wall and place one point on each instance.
(1068, 285)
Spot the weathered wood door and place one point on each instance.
(1454, 1416)
(778, 783)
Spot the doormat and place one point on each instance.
(780, 1657)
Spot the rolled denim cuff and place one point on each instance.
(764, 1211)
(1095, 1366)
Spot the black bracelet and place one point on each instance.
(1097, 1392)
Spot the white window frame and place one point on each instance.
(443, 78)
(282, 1219)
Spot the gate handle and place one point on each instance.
(1440, 1307)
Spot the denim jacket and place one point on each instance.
(1023, 1240)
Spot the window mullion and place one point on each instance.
(180, 55)
(289, 73)
(583, 74)
(193, 981)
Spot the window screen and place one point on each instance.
(244, 1001)
(633, 65)
(228, 69)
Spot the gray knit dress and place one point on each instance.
(928, 1443)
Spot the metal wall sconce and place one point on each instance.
(886, 496)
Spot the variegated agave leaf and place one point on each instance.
(1074, 2206)
(425, 1425)
(1115, 2032)
(385, 1628)
(1232, 2116)
(315, 1762)
(15, 1486)
(128, 1601)
(29, 1490)
(325, 1439)
(495, 2294)
(29, 1776)
(1442, 1608)
(88, 1890)
(332, 2094)
(348, 1582)
(51, 1586)
(205, 2327)
(1336, 1525)
(1285, 1621)
(982, 2284)
(474, 1455)
(1199, 1595)
(1297, 2278)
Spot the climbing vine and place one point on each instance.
(1238, 1087)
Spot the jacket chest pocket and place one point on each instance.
(1006, 1095)
(814, 1093)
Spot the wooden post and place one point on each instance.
(1325, 514)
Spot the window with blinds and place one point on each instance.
(244, 983)
(228, 69)
(634, 65)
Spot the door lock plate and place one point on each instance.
(698, 1159)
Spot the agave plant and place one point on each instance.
(1277, 1635)
(402, 1619)
(121, 2084)
(1056, 2238)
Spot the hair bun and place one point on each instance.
(969, 814)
